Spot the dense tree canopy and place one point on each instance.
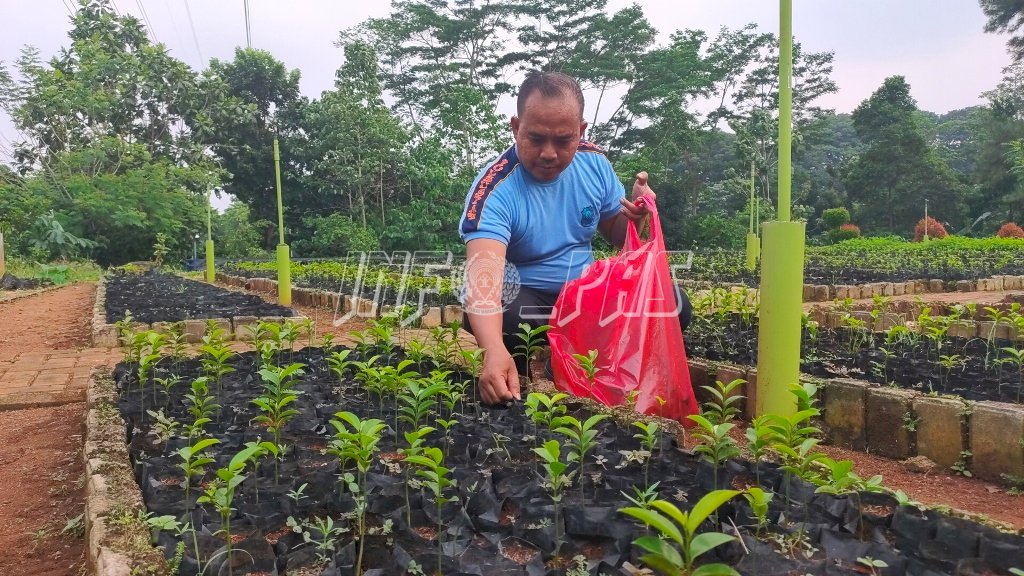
(120, 141)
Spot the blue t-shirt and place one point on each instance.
(546, 226)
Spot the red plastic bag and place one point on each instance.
(625, 308)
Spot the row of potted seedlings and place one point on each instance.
(377, 459)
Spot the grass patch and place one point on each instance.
(57, 272)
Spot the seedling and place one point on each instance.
(327, 536)
(532, 341)
(678, 546)
(340, 364)
(418, 400)
(759, 437)
(356, 440)
(436, 478)
(262, 448)
(581, 437)
(643, 498)
(544, 409)
(167, 384)
(716, 444)
(722, 406)
(414, 441)
(221, 492)
(215, 362)
(588, 363)
(163, 426)
(278, 395)
(759, 500)
(872, 564)
(202, 406)
(557, 480)
(648, 437)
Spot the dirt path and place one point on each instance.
(54, 320)
(41, 490)
(41, 470)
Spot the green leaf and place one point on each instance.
(715, 570)
(657, 521)
(706, 506)
(661, 555)
(706, 541)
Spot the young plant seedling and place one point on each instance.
(648, 437)
(356, 440)
(414, 447)
(533, 341)
(588, 363)
(678, 546)
(558, 479)
(716, 445)
(723, 404)
(759, 499)
(435, 477)
(221, 492)
(202, 406)
(581, 437)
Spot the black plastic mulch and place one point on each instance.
(158, 297)
(503, 510)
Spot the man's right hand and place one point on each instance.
(499, 380)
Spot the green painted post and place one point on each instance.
(753, 245)
(782, 260)
(284, 272)
(211, 274)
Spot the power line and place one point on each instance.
(188, 11)
(145, 17)
(248, 30)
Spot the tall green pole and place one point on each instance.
(782, 260)
(211, 274)
(753, 245)
(284, 272)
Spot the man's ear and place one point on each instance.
(514, 125)
(583, 129)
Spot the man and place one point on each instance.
(537, 208)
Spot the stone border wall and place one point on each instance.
(827, 293)
(361, 307)
(826, 317)
(899, 423)
(105, 335)
(117, 541)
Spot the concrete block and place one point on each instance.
(887, 321)
(194, 330)
(962, 329)
(225, 325)
(939, 429)
(367, 308)
(302, 296)
(965, 286)
(936, 286)
(699, 377)
(808, 293)
(996, 432)
(750, 391)
(822, 293)
(887, 289)
(240, 326)
(844, 291)
(105, 336)
(1013, 283)
(917, 287)
(452, 313)
(899, 288)
(887, 434)
(845, 409)
(431, 317)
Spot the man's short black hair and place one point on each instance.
(550, 85)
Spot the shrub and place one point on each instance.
(833, 218)
(935, 229)
(1010, 230)
(845, 232)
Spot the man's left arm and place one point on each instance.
(613, 229)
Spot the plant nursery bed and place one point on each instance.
(972, 368)
(158, 297)
(368, 490)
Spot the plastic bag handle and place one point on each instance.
(633, 235)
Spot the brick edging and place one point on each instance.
(829, 292)
(364, 308)
(105, 335)
(899, 423)
(110, 489)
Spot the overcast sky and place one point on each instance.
(938, 45)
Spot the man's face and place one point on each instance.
(547, 134)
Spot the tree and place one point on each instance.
(235, 235)
(998, 187)
(890, 180)
(1006, 16)
(259, 91)
(440, 59)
